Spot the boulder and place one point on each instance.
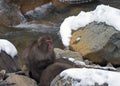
(8, 63)
(2, 74)
(68, 54)
(19, 80)
(86, 77)
(9, 13)
(118, 69)
(97, 42)
(59, 81)
(28, 5)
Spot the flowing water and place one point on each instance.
(43, 21)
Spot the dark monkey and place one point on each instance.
(38, 56)
(53, 70)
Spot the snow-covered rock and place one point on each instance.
(102, 13)
(76, 1)
(97, 34)
(87, 77)
(8, 47)
(8, 56)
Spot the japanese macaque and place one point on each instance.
(53, 70)
(38, 56)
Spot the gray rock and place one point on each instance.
(76, 1)
(112, 49)
(61, 81)
(19, 80)
(9, 13)
(68, 54)
(118, 69)
(87, 62)
(4, 83)
(2, 74)
(8, 63)
(98, 42)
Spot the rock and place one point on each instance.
(8, 63)
(20, 80)
(109, 65)
(95, 43)
(9, 13)
(85, 77)
(68, 54)
(59, 5)
(28, 5)
(4, 83)
(113, 3)
(87, 62)
(2, 73)
(112, 49)
(31, 5)
(69, 81)
(58, 81)
(118, 69)
(76, 1)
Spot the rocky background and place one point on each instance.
(99, 44)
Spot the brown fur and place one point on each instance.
(54, 69)
(51, 72)
(38, 56)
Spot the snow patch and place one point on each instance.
(88, 77)
(102, 13)
(71, 59)
(78, 39)
(80, 63)
(8, 47)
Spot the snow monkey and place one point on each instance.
(38, 56)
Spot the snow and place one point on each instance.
(78, 39)
(8, 47)
(102, 13)
(71, 59)
(88, 77)
(80, 63)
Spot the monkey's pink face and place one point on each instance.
(49, 43)
(45, 42)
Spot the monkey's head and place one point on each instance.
(45, 43)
